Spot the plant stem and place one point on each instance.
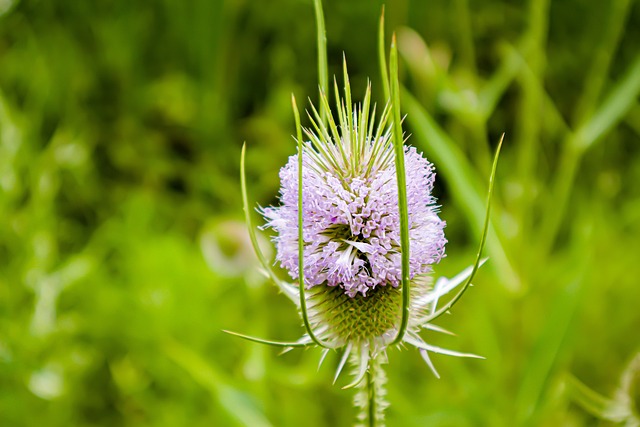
(371, 395)
(371, 392)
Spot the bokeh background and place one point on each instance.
(123, 254)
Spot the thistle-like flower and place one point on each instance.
(350, 214)
(365, 234)
(351, 231)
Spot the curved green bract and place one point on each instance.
(247, 217)
(382, 57)
(483, 239)
(323, 69)
(268, 342)
(402, 189)
(303, 299)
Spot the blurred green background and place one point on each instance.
(122, 254)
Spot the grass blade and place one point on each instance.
(462, 180)
(615, 106)
(596, 78)
(235, 403)
(620, 100)
(595, 403)
(543, 360)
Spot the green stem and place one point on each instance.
(371, 392)
(371, 395)
(531, 114)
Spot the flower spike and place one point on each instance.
(323, 356)
(425, 356)
(343, 361)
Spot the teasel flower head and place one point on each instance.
(350, 213)
(357, 229)
(365, 286)
(351, 226)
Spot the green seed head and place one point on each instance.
(372, 319)
(357, 319)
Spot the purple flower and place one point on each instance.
(351, 224)
(351, 239)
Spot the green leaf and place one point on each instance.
(619, 101)
(616, 105)
(235, 403)
(547, 349)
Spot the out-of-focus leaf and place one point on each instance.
(463, 181)
(237, 404)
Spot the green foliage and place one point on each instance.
(123, 257)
